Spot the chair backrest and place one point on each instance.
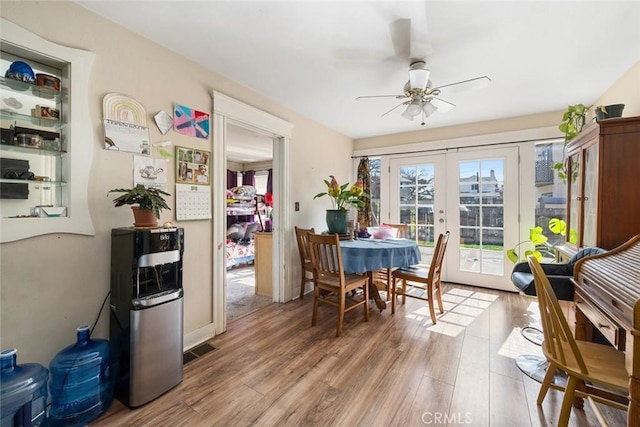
(584, 252)
(559, 343)
(326, 257)
(302, 236)
(402, 230)
(438, 255)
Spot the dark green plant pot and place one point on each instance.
(611, 111)
(337, 221)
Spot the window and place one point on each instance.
(550, 193)
(261, 181)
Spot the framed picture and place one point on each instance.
(192, 166)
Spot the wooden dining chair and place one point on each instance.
(596, 364)
(382, 278)
(302, 236)
(330, 283)
(422, 280)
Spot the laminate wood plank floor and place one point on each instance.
(272, 368)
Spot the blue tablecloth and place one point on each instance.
(362, 255)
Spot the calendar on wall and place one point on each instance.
(193, 202)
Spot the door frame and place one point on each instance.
(510, 226)
(229, 110)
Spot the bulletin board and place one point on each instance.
(192, 166)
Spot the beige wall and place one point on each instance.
(626, 90)
(51, 284)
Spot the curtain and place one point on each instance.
(364, 214)
(270, 181)
(232, 179)
(248, 178)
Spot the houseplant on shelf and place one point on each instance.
(573, 120)
(147, 203)
(604, 112)
(341, 199)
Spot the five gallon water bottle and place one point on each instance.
(82, 381)
(23, 391)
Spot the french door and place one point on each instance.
(471, 194)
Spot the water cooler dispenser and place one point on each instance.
(146, 311)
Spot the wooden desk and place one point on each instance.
(592, 314)
(263, 263)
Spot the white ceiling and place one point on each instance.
(316, 57)
(247, 146)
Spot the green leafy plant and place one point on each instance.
(573, 120)
(541, 246)
(341, 198)
(147, 198)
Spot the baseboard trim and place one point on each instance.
(198, 336)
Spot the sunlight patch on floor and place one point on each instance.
(516, 345)
(461, 308)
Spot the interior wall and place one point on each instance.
(426, 134)
(53, 283)
(626, 90)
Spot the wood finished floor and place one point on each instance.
(272, 368)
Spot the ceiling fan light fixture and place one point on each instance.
(415, 107)
(428, 108)
(418, 78)
(406, 114)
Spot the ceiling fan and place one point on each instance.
(419, 96)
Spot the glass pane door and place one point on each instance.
(414, 201)
(481, 209)
(482, 191)
(471, 194)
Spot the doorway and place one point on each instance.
(472, 194)
(249, 157)
(229, 111)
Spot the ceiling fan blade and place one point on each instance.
(399, 105)
(400, 30)
(441, 105)
(380, 96)
(477, 83)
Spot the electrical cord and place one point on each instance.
(99, 313)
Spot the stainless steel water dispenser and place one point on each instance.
(146, 311)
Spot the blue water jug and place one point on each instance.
(82, 381)
(23, 391)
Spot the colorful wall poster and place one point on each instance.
(190, 122)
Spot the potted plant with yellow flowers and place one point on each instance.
(342, 199)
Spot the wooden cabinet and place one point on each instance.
(263, 263)
(603, 174)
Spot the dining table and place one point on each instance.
(368, 255)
